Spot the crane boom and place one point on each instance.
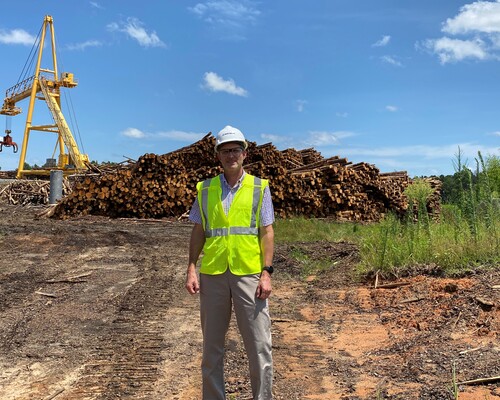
(49, 82)
(79, 159)
(16, 93)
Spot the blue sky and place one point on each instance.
(400, 84)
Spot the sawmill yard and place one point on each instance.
(95, 308)
(93, 305)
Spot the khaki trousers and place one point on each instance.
(218, 293)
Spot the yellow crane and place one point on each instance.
(45, 84)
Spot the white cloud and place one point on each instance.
(134, 28)
(382, 42)
(226, 12)
(215, 83)
(480, 16)
(181, 136)
(391, 60)
(469, 150)
(276, 139)
(326, 138)
(391, 108)
(479, 25)
(84, 45)
(16, 36)
(495, 41)
(452, 50)
(497, 133)
(300, 105)
(341, 114)
(228, 19)
(96, 5)
(311, 139)
(133, 133)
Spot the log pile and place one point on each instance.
(302, 183)
(434, 202)
(7, 174)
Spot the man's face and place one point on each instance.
(231, 156)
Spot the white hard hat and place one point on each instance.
(230, 134)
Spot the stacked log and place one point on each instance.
(392, 186)
(434, 201)
(8, 174)
(310, 155)
(302, 183)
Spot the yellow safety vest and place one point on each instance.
(231, 240)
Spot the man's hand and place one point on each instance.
(264, 288)
(195, 246)
(192, 284)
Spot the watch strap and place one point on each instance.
(269, 269)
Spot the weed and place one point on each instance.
(454, 384)
(308, 266)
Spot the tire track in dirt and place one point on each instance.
(304, 350)
(150, 349)
(180, 372)
(302, 360)
(130, 348)
(120, 332)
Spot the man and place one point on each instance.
(233, 216)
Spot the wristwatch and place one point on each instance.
(269, 269)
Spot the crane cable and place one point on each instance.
(28, 65)
(69, 105)
(8, 123)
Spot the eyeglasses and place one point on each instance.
(235, 151)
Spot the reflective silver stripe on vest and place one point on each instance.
(204, 203)
(243, 230)
(215, 232)
(235, 230)
(255, 202)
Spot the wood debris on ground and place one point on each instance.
(30, 191)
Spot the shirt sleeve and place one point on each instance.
(194, 214)
(267, 210)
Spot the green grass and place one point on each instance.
(308, 265)
(454, 385)
(299, 229)
(450, 244)
(302, 229)
(394, 246)
(466, 237)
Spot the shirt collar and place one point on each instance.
(238, 183)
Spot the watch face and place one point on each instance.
(269, 269)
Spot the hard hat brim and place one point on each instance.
(244, 144)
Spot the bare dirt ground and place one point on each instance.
(95, 308)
